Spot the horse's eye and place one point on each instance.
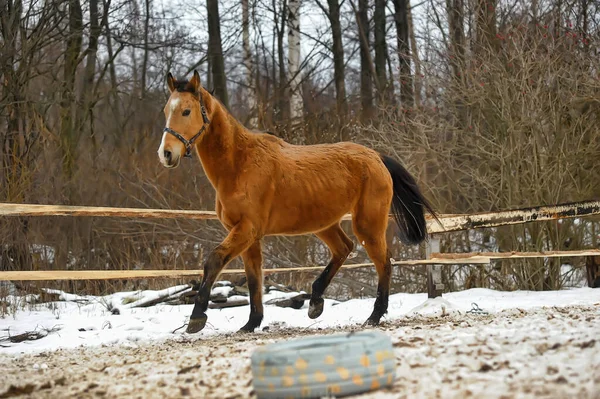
(186, 112)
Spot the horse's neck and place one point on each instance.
(218, 149)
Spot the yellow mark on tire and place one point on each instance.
(380, 370)
(329, 359)
(301, 364)
(357, 380)
(290, 370)
(343, 372)
(287, 381)
(375, 384)
(364, 360)
(320, 377)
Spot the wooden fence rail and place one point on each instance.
(482, 258)
(448, 223)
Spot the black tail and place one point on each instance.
(407, 204)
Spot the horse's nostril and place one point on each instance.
(167, 155)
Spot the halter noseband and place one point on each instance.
(188, 143)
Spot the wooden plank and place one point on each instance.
(518, 255)
(517, 216)
(436, 259)
(132, 274)
(448, 222)
(7, 209)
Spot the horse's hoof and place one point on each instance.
(372, 322)
(315, 308)
(246, 329)
(196, 324)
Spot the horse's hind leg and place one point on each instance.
(369, 225)
(252, 258)
(340, 246)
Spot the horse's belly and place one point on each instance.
(295, 223)
(308, 210)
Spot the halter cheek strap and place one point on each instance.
(188, 143)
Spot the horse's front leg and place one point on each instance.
(253, 266)
(240, 237)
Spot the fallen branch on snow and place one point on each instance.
(30, 335)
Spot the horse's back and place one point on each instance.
(315, 185)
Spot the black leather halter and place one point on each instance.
(188, 143)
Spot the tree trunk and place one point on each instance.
(455, 10)
(338, 58)
(146, 50)
(487, 42)
(67, 110)
(87, 115)
(366, 83)
(293, 24)
(284, 103)
(249, 67)
(380, 52)
(402, 30)
(415, 57)
(215, 52)
(115, 104)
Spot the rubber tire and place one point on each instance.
(332, 365)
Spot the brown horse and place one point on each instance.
(266, 186)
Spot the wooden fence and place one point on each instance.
(447, 223)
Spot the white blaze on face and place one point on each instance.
(161, 149)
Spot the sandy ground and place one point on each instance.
(455, 356)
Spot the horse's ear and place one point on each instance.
(170, 82)
(195, 82)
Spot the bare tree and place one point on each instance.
(249, 67)
(415, 57)
(486, 39)
(339, 67)
(455, 11)
(215, 52)
(381, 55)
(293, 24)
(68, 132)
(402, 35)
(280, 23)
(147, 14)
(366, 65)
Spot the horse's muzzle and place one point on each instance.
(172, 164)
(170, 159)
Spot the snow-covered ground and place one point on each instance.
(75, 324)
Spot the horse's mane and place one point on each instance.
(183, 86)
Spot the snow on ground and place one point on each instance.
(77, 324)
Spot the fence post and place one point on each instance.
(435, 287)
(592, 266)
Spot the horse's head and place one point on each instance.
(186, 120)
